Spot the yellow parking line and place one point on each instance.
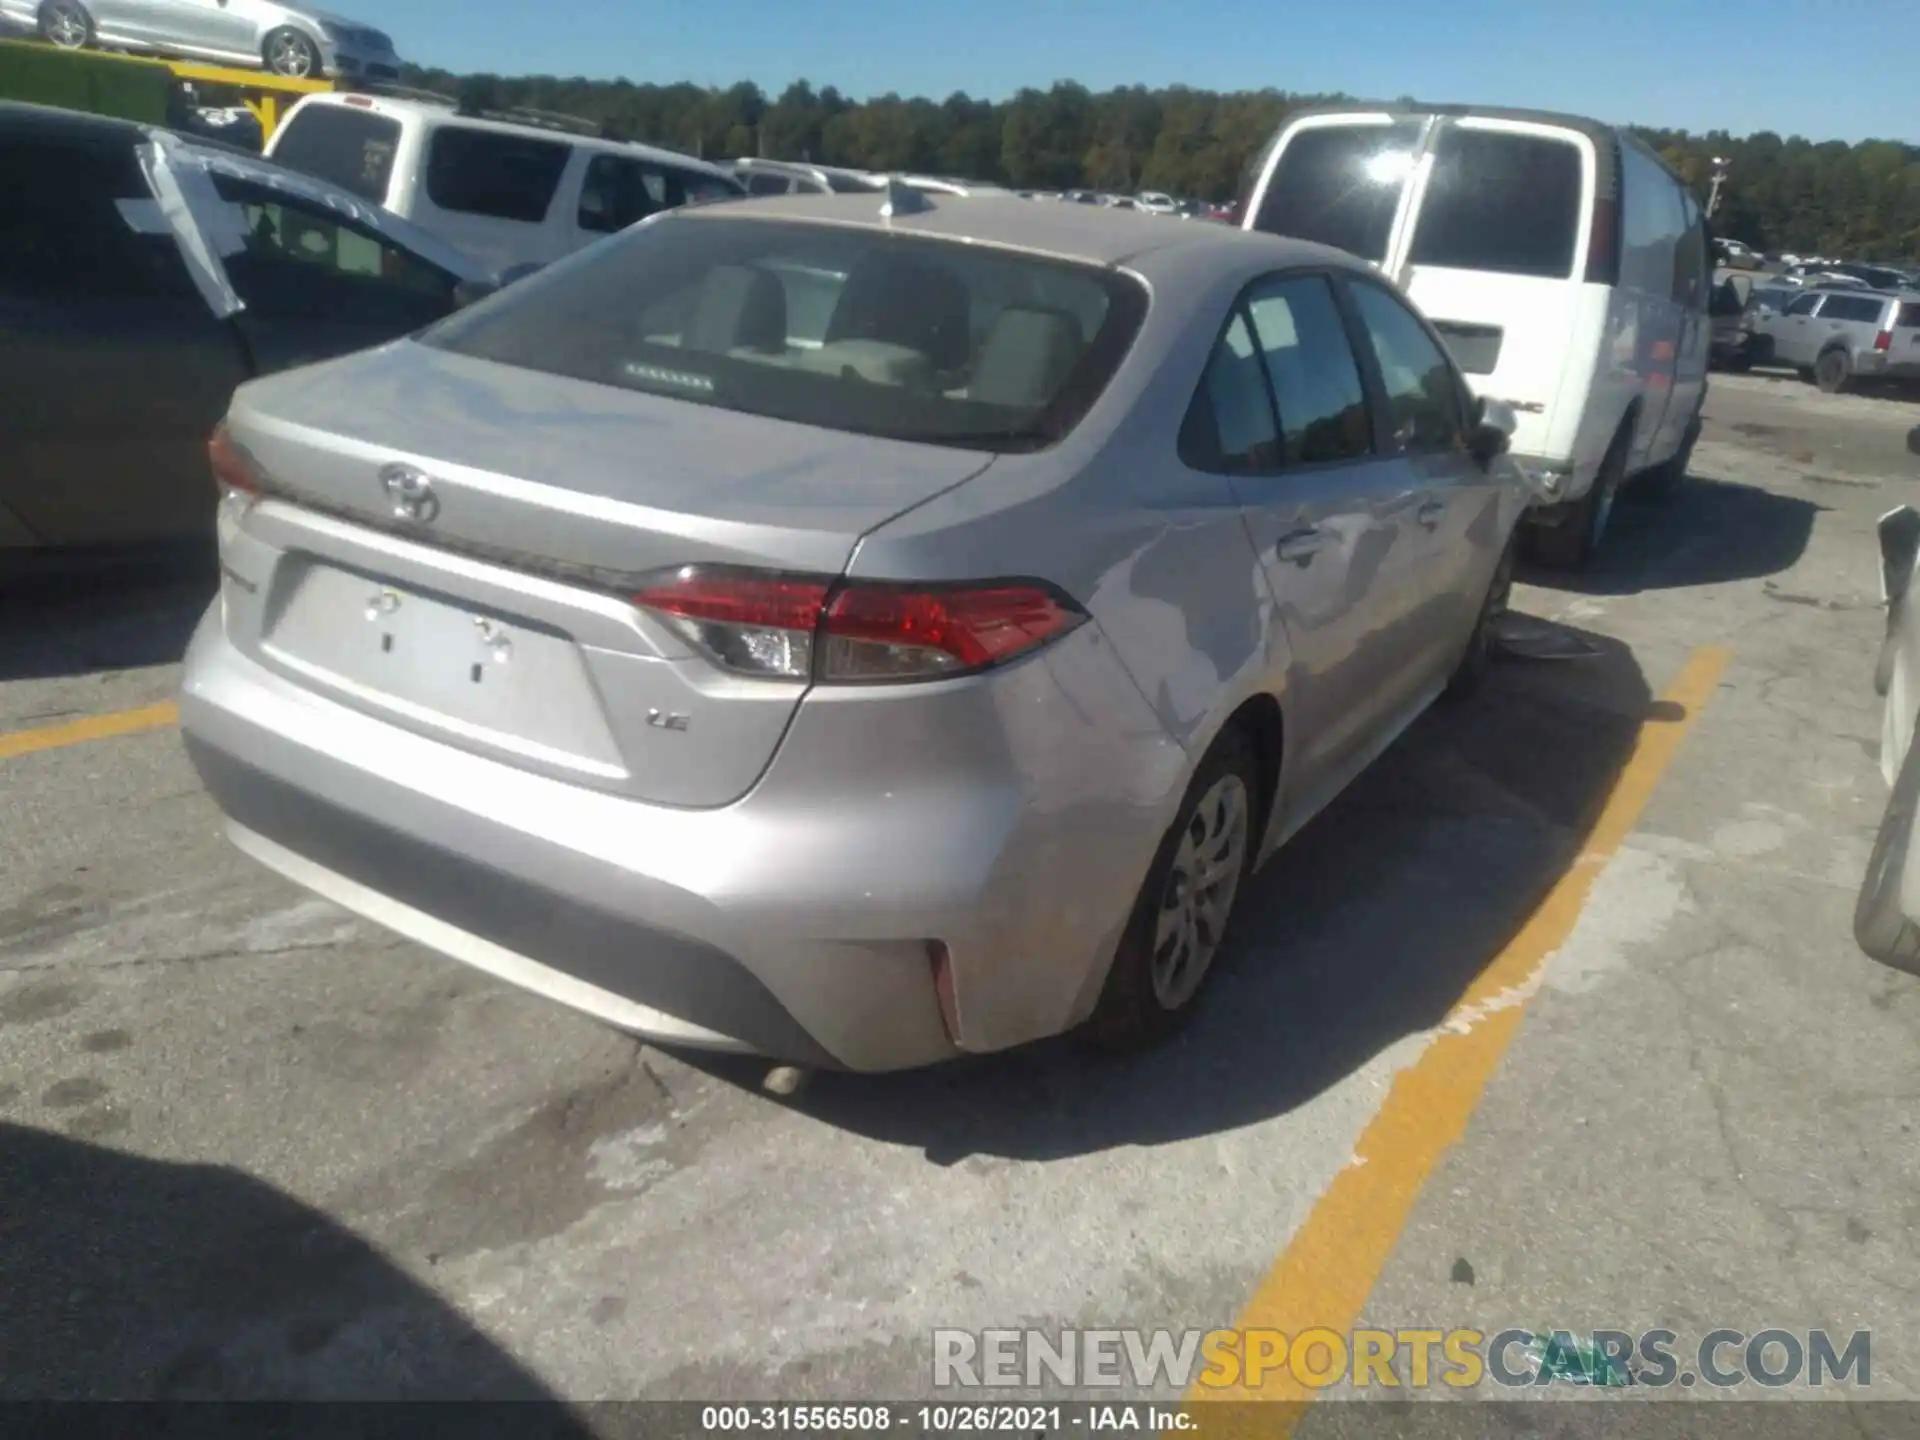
(93, 727)
(1328, 1270)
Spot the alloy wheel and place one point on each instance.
(1199, 892)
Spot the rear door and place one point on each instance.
(1340, 181)
(1282, 410)
(112, 369)
(1493, 252)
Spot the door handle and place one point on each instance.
(1301, 546)
(1429, 514)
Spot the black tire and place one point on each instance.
(1576, 539)
(1131, 1014)
(66, 24)
(1833, 372)
(1664, 482)
(1879, 925)
(1478, 658)
(287, 52)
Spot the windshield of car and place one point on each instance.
(846, 328)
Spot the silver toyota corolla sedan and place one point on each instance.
(855, 679)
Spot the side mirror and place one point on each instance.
(1493, 425)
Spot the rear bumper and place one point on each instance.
(1871, 364)
(794, 923)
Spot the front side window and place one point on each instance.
(1340, 185)
(493, 173)
(1229, 426)
(303, 260)
(1423, 395)
(903, 336)
(1804, 305)
(1309, 361)
(761, 182)
(1501, 201)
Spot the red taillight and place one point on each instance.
(1883, 341)
(233, 468)
(752, 624)
(804, 627)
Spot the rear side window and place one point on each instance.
(1229, 426)
(64, 234)
(614, 194)
(1424, 400)
(1340, 185)
(1502, 202)
(1909, 316)
(501, 176)
(1852, 307)
(1309, 360)
(346, 146)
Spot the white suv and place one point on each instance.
(514, 188)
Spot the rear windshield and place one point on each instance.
(349, 147)
(1340, 185)
(1501, 202)
(491, 173)
(848, 329)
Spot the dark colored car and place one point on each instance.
(143, 275)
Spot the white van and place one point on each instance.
(508, 191)
(1566, 265)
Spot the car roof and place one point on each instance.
(406, 107)
(20, 117)
(1088, 234)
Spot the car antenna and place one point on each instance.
(902, 199)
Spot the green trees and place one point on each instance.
(1860, 201)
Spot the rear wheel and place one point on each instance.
(1833, 373)
(1180, 918)
(289, 53)
(1879, 924)
(66, 24)
(1663, 482)
(1574, 541)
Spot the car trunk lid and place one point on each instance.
(451, 543)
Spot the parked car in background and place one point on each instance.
(1006, 592)
(1155, 203)
(143, 276)
(511, 187)
(949, 185)
(297, 41)
(1836, 337)
(788, 177)
(1886, 915)
(1566, 264)
(1732, 330)
(1736, 254)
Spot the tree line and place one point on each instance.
(1832, 198)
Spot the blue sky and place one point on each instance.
(1736, 64)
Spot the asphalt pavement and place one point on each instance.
(1554, 1021)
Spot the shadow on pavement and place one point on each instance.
(1365, 929)
(133, 1279)
(80, 614)
(1715, 531)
